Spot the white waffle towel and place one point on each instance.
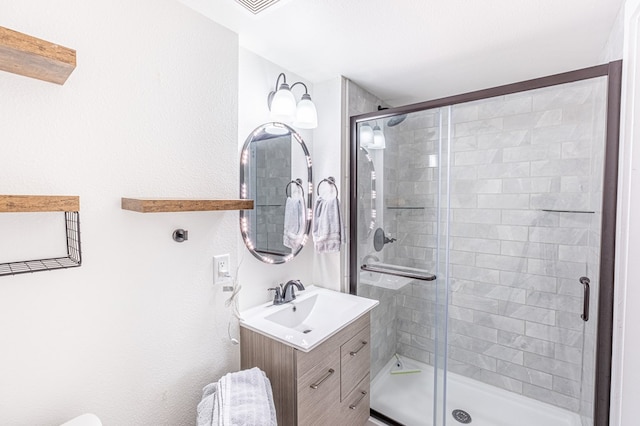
(240, 398)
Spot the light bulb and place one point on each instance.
(366, 135)
(283, 105)
(306, 114)
(379, 141)
(276, 129)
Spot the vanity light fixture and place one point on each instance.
(379, 141)
(372, 138)
(282, 105)
(366, 135)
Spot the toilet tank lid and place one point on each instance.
(84, 420)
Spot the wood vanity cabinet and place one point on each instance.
(327, 386)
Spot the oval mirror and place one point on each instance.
(275, 171)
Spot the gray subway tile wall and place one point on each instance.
(273, 167)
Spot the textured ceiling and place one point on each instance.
(407, 51)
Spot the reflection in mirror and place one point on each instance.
(367, 194)
(275, 171)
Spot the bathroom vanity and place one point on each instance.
(324, 383)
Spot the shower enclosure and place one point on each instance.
(484, 224)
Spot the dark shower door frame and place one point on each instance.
(613, 72)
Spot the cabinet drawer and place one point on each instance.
(307, 360)
(355, 359)
(354, 409)
(319, 395)
(311, 365)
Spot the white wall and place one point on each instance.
(330, 159)
(257, 77)
(626, 370)
(615, 42)
(151, 110)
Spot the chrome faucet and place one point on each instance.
(284, 292)
(287, 293)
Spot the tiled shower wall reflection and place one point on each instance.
(515, 300)
(273, 172)
(383, 318)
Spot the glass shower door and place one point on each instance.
(526, 201)
(479, 230)
(399, 216)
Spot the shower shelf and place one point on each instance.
(568, 211)
(70, 205)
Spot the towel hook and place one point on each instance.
(330, 180)
(298, 182)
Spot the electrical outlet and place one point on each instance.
(221, 269)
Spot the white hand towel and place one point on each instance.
(328, 230)
(294, 222)
(208, 406)
(241, 398)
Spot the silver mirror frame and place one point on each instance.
(244, 216)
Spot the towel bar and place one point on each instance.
(399, 272)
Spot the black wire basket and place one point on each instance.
(73, 259)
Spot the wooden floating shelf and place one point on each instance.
(162, 205)
(39, 203)
(32, 57)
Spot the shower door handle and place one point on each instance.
(585, 300)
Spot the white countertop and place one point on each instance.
(315, 315)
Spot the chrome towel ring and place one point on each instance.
(330, 180)
(298, 182)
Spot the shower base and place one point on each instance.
(407, 398)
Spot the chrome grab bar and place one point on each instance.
(354, 353)
(399, 272)
(585, 302)
(355, 404)
(326, 376)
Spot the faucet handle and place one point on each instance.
(277, 297)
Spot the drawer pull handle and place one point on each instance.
(326, 376)
(354, 353)
(354, 405)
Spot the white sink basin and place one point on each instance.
(314, 316)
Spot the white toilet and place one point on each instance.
(84, 420)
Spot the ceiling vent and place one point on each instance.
(256, 6)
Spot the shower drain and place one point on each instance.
(461, 416)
